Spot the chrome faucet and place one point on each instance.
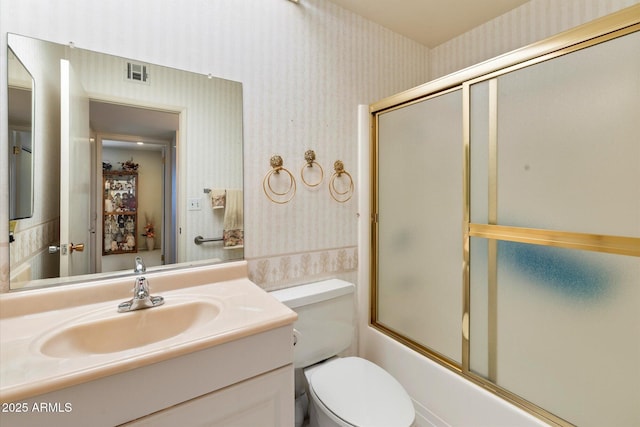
(140, 267)
(141, 297)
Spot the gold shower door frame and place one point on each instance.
(613, 26)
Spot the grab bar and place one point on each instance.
(200, 240)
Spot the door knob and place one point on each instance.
(77, 247)
(64, 248)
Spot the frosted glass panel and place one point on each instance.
(420, 222)
(479, 152)
(568, 336)
(479, 313)
(567, 142)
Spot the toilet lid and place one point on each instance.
(362, 394)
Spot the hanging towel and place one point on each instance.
(217, 198)
(233, 234)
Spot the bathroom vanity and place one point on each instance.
(218, 351)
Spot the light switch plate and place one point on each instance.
(194, 204)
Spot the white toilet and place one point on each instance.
(344, 392)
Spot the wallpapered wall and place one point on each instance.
(529, 23)
(304, 70)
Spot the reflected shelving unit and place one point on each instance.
(119, 207)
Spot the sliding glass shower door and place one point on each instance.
(554, 222)
(420, 216)
(506, 228)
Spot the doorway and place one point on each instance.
(142, 140)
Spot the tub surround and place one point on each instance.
(28, 319)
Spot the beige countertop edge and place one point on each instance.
(32, 389)
(20, 302)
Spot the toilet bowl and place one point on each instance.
(342, 391)
(352, 391)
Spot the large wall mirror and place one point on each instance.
(125, 159)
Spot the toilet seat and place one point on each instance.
(362, 394)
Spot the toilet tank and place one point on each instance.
(326, 319)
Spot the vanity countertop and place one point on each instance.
(28, 319)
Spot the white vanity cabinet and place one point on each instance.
(263, 401)
(245, 382)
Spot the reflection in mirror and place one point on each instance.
(180, 132)
(145, 207)
(21, 154)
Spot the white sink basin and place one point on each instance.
(110, 331)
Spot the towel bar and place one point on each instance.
(200, 240)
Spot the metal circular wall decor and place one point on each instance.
(270, 181)
(310, 158)
(337, 194)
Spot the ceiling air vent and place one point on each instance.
(137, 72)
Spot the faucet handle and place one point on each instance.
(141, 298)
(141, 288)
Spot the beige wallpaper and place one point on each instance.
(304, 67)
(304, 70)
(531, 22)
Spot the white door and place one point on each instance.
(75, 175)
